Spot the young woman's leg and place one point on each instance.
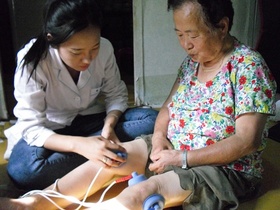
(36, 167)
(29, 167)
(135, 122)
(32, 167)
(166, 184)
(77, 181)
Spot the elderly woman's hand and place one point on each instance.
(159, 144)
(164, 159)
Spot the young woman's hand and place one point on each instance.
(109, 133)
(110, 122)
(101, 150)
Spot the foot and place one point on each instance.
(16, 204)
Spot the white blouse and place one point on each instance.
(51, 100)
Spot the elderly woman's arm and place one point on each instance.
(246, 140)
(159, 139)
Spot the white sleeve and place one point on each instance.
(31, 106)
(114, 89)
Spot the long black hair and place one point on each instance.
(214, 10)
(62, 19)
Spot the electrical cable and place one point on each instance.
(48, 194)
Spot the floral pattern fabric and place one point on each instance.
(202, 114)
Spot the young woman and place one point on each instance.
(72, 103)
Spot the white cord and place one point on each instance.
(105, 191)
(52, 193)
(90, 186)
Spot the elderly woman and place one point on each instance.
(210, 132)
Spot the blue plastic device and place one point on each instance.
(154, 201)
(122, 154)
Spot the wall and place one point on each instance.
(26, 19)
(3, 108)
(157, 54)
(247, 22)
(269, 45)
(19, 21)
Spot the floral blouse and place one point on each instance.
(202, 114)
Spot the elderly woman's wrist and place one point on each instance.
(185, 159)
(159, 135)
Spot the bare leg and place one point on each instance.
(132, 198)
(77, 181)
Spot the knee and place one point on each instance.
(134, 197)
(152, 113)
(142, 113)
(23, 175)
(19, 174)
(145, 189)
(149, 115)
